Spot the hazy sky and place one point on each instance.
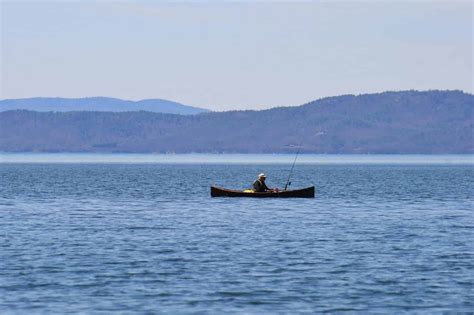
(233, 55)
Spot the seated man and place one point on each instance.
(259, 185)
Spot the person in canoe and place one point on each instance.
(260, 186)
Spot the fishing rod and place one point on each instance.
(291, 171)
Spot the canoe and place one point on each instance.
(297, 193)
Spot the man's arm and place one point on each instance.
(265, 187)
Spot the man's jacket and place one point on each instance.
(259, 186)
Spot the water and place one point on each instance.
(148, 238)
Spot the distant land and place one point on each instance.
(99, 104)
(405, 122)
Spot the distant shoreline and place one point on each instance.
(408, 122)
(235, 158)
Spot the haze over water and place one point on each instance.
(199, 158)
(117, 235)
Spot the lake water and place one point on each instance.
(118, 233)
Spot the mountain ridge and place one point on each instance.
(427, 122)
(98, 103)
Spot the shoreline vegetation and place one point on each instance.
(406, 122)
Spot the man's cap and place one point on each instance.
(261, 175)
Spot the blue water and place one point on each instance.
(148, 238)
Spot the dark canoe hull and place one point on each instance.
(298, 193)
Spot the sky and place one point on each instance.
(224, 55)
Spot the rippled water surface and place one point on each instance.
(148, 237)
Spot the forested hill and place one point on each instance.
(99, 104)
(390, 122)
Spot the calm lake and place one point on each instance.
(89, 233)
